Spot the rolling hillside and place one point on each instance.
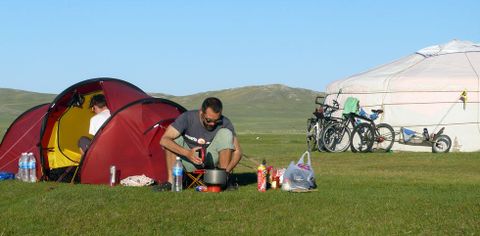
(253, 109)
(14, 102)
(260, 109)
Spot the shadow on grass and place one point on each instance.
(245, 178)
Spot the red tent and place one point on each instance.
(129, 139)
(22, 136)
(130, 142)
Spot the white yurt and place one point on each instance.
(435, 87)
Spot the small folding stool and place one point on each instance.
(196, 177)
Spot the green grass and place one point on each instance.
(358, 194)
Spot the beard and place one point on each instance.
(209, 127)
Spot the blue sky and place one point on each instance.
(185, 47)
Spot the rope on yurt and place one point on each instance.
(443, 118)
(403, 91)
(417, 103)
(455, 102)
(478, 88)
(428, 124)
(20, 139)
(389, 78)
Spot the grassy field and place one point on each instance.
(358, 194)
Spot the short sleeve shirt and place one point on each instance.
(97, 121)
(194, 133)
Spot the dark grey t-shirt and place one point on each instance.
(190, 127)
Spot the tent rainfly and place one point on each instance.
(129, 139)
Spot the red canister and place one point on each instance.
(262, 178)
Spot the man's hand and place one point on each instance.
(192, 156)
(167, 142)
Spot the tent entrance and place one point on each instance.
(67, 130)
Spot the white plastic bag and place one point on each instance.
(137, 181)
(299, 176)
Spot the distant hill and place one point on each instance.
(14, 102)
(254, 109)
(260, 109)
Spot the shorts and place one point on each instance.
(222, 140)
(84, 143)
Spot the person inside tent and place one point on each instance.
(98, 104)
(205, 128)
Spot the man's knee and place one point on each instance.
(83, 143)
(221, 144)
(224, 132)
(223, 139)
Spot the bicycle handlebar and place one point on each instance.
(318, 98)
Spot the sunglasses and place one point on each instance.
(208, 120)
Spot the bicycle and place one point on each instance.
(336, 136)
(315, 125)
(440, 142)
(367, 136)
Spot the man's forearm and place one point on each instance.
(173, 147)
(236, 157)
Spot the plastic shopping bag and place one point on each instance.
(137, 181)
(299, 176)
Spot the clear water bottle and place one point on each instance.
(177, 176)
(19, 173)
(32, 168)
(22, 167)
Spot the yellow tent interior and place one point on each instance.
(63, 143)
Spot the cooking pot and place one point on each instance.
(215, 177)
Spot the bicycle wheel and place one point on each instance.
(321, 129)
(441, 144)
(311, 135)
(362, 138)
(336, 137)
(384, 138)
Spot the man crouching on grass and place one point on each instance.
(195, 129)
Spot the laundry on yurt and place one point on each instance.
(128, 140)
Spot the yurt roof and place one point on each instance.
(451, 66)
